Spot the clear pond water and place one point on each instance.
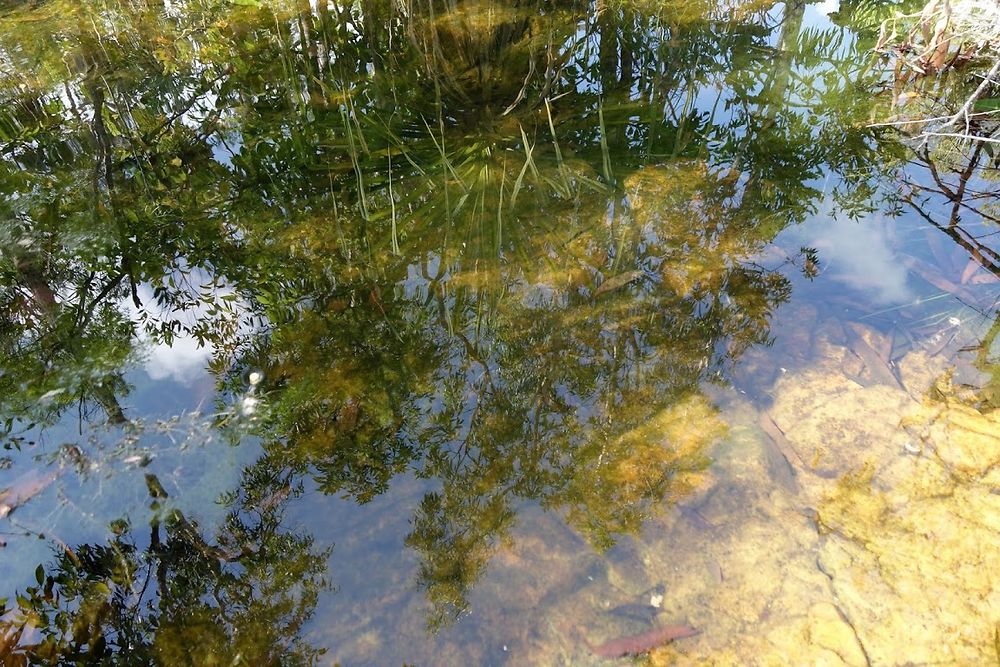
(493, 333)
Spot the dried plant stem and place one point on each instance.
(964, 111)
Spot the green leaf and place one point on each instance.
(987, 104)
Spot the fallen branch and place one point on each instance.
(960, 135)
(964, 111)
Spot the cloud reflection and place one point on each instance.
(859, 254)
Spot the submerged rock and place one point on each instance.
(887, 554)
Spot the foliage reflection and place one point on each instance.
(500, 246)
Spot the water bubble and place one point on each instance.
(248, 406)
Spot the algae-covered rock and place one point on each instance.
(918, 370)
(887, 554)
(835, 425)
(911, 542)
(828, 629)
(967, 441)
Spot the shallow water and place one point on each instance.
(485, 333)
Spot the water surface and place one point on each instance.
(484, 333)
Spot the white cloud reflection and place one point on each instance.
(860, 255)
(184, 360)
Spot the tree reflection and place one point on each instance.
(500, 246)
(178, 598)
(504, 356)
(952, 188)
